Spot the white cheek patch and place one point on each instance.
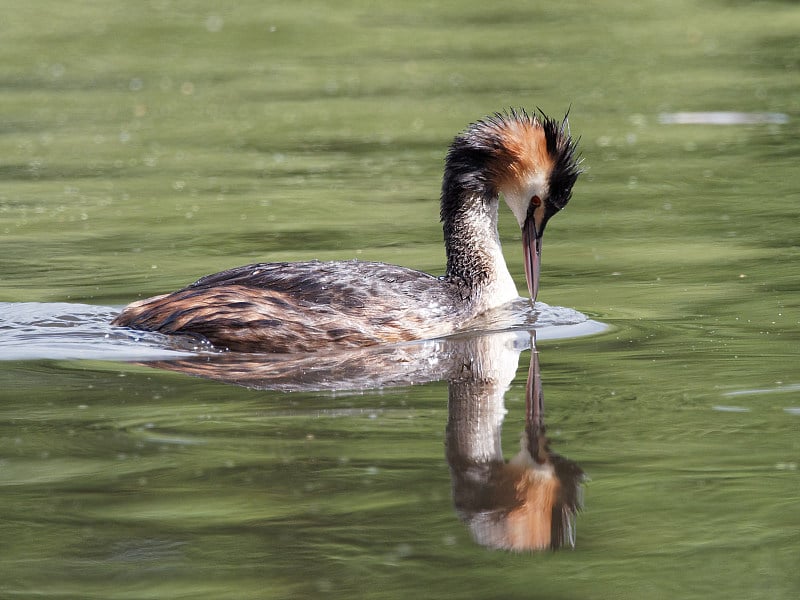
(519, 206)
(519, 199)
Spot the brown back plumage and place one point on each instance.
(300, 307)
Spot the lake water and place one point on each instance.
(143, 145)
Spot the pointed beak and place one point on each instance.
(532, 252)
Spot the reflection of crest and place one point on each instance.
(527, 503)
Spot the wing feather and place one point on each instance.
(299, 307)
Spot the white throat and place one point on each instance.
(501, 289)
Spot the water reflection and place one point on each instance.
(527, 503)
(365, 368)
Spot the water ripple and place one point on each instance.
(61, 331)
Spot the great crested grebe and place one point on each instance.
(306, 306)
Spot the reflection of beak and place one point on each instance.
(534, 409)
(532, 252)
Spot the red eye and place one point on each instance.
(536, 201)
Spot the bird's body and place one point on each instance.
(302, 306)
(306, 306)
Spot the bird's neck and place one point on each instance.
(474, 254)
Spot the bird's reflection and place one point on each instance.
(527, 503)
(345, 370)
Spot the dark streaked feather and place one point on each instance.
(567, 163)
(298, 307)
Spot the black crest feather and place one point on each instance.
(567, 163)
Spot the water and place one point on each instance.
(64, 331)
(144, 146)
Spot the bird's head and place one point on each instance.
(531, 161)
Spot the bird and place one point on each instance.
(528, 159)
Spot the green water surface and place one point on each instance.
(144, 144)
